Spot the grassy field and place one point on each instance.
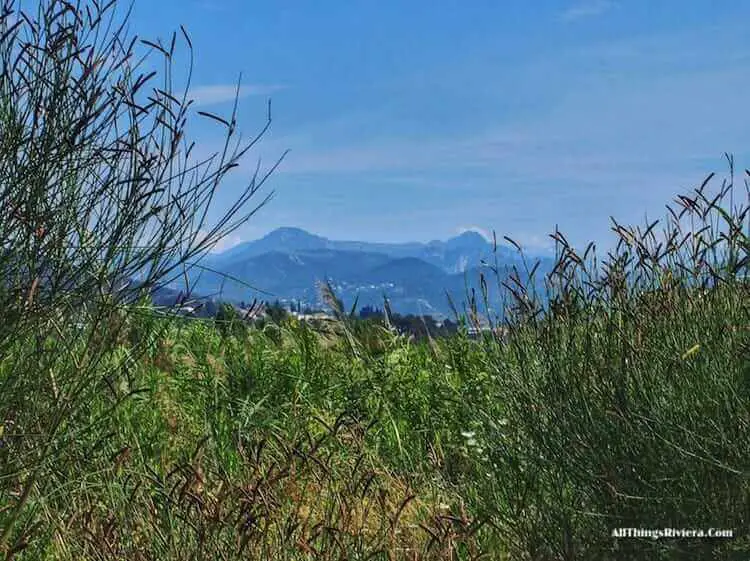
(624, 403)
(196, 439)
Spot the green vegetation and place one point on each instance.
(126, 434)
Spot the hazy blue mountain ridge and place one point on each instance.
(288, 264)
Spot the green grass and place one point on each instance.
(537, 447)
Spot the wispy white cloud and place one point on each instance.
(223, 244)
(586, 9)
(210, 95)
(398, 154)
(535, 243)
(603, 128)
(486, 234)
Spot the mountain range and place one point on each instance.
(288, 263)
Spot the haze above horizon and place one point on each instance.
(416, 121)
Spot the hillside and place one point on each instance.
(288, 263)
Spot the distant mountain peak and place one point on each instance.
(469, 239)
(472, 233)
(288, 261)
(289, 232)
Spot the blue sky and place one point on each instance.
(411, 121)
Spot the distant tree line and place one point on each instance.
(229, 319)
(411, 324)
